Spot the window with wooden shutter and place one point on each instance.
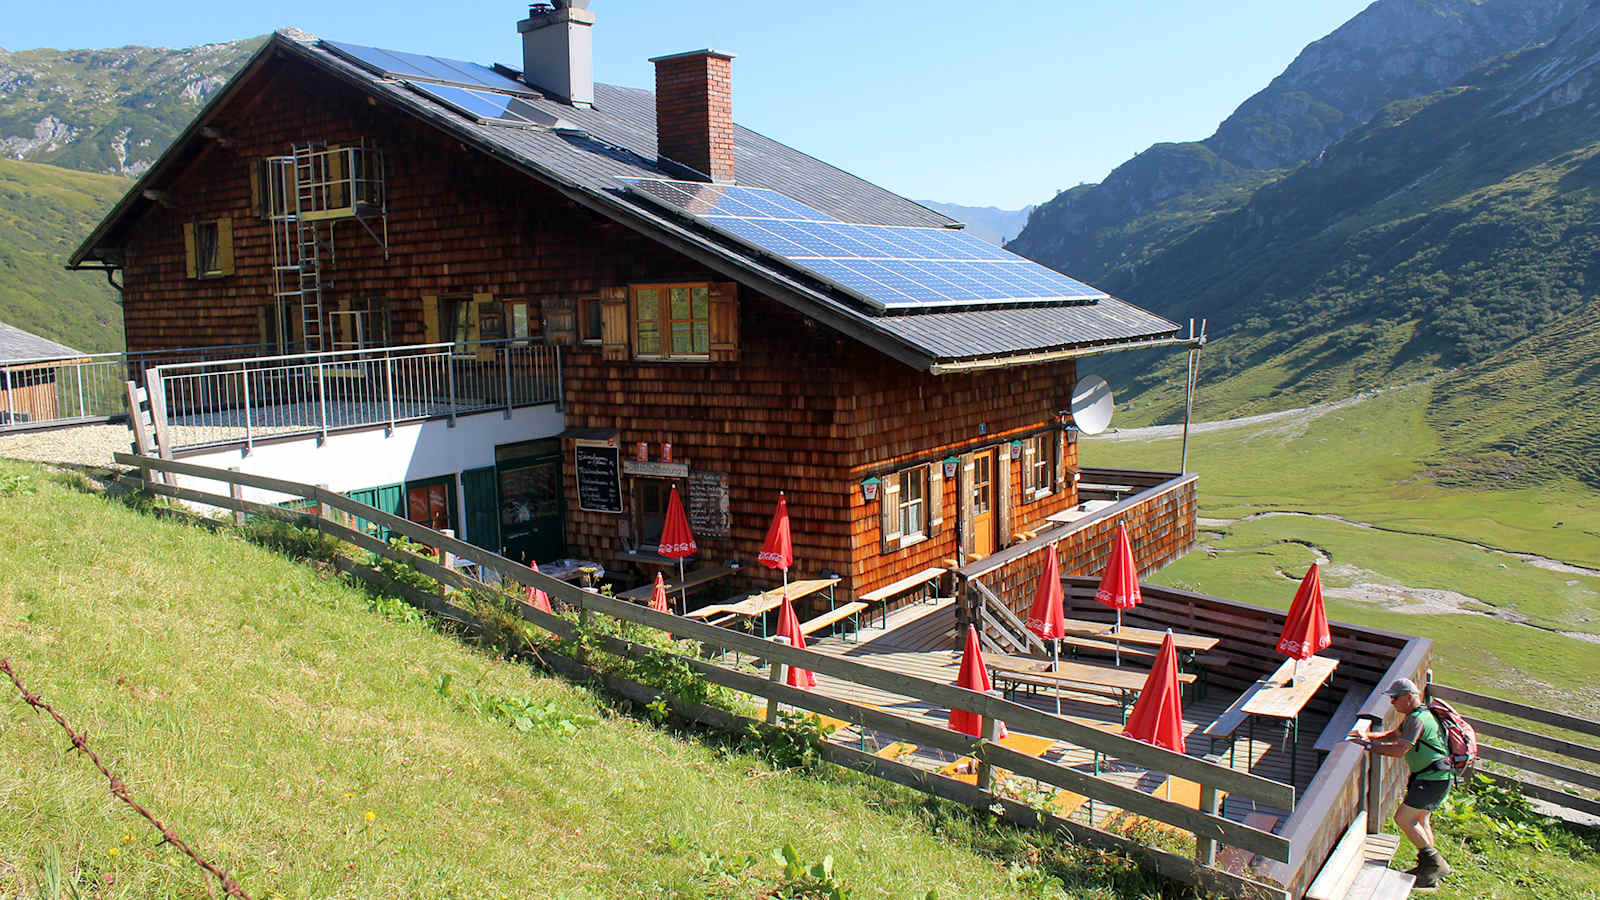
(614, 322)
(725, 322)
(1039, 466)
(1002, 502)
(935, 497)
(208, 248)
(1027, 471)
(485, 312)
(889, 507)
(671, 321)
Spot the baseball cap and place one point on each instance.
(1403, 686)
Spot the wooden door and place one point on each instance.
(983, 503)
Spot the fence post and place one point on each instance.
(249, 435)
(560, 395)
(83, 408)
(991, 734)
(388, 387)
(506, 350)
(1374, 792)
(322, 401)
(11, 409)
(1205, 848)
(776, 677)
(236, 491)
(450, 378)
(447, 558)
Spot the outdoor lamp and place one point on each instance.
(869, 488)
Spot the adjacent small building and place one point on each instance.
(28, 366)
(526, 305)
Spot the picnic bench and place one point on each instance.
(924, 581)
(763, 603)
(1195, 661)
(697, 579)
(849, 611)
(1120, 684)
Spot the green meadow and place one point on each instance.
(1403, 551)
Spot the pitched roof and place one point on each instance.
(18, 345)
(616, 139)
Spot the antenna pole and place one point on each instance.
(1189, 386)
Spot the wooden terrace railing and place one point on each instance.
(1207, 825)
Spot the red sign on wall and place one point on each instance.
(666, 452)
(642, 451)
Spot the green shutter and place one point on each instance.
(482, 518)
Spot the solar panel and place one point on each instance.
(487, 106)
(400, 64)
(889, 266)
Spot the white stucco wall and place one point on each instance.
(369, 458)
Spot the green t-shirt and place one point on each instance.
(1423, 732)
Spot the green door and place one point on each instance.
(530, 508)
(482, 516)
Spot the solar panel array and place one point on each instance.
(890, 266)
(431, 68)
(487, 106)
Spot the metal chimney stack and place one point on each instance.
(558, 50)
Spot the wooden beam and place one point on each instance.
(1534, 764)
(1530, 739)
(1531, 713)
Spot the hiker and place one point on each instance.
(1420, 739)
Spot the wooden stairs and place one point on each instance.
(1359, 869)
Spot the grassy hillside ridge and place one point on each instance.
(45, 212)
(318, 748)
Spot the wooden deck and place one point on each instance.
(921, 639)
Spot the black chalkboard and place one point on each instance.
(599, 482)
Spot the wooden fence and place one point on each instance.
(1492, 736)
(1210, 828)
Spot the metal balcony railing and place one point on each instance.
(245, 400)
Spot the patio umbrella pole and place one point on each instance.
(1118, 639)
(683, 592)
(1055, 666)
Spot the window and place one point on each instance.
(1041, 462)
(208, 248)
(672, 321)
(913, 508)
(591, 320)
(455, 319)
(432, 502)
(516, 320)
(360, 323)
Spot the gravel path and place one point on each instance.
(86, 445)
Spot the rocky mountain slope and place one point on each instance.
(107, 110)
(989, 223)
(1393, 50)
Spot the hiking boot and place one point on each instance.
(1429, 869)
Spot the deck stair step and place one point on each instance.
(1358, 868)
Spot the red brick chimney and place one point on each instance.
(694, 111)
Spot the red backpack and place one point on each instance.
(1461, 741)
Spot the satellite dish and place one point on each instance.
(1091, 404)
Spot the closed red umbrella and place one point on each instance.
(1305, 631)
(1048, 618)
(676, 540)
(789, 627)
(539, 599)
(1119, 586)
(658, 597)
(1157, 716)
(974, 676)
(778, 551)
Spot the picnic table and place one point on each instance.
(1104, 636)
(1273, 697)
(573, 570)
(696, 579)
(763, 603)
(1122, 683)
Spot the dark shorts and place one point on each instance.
(1426, 793)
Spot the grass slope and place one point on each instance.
(1368, 463)
(45, 212)
(310, 746)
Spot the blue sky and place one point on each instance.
(991, 104)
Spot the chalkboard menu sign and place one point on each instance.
(599, 479)
(708, 504)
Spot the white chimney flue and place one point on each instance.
(558, 50)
